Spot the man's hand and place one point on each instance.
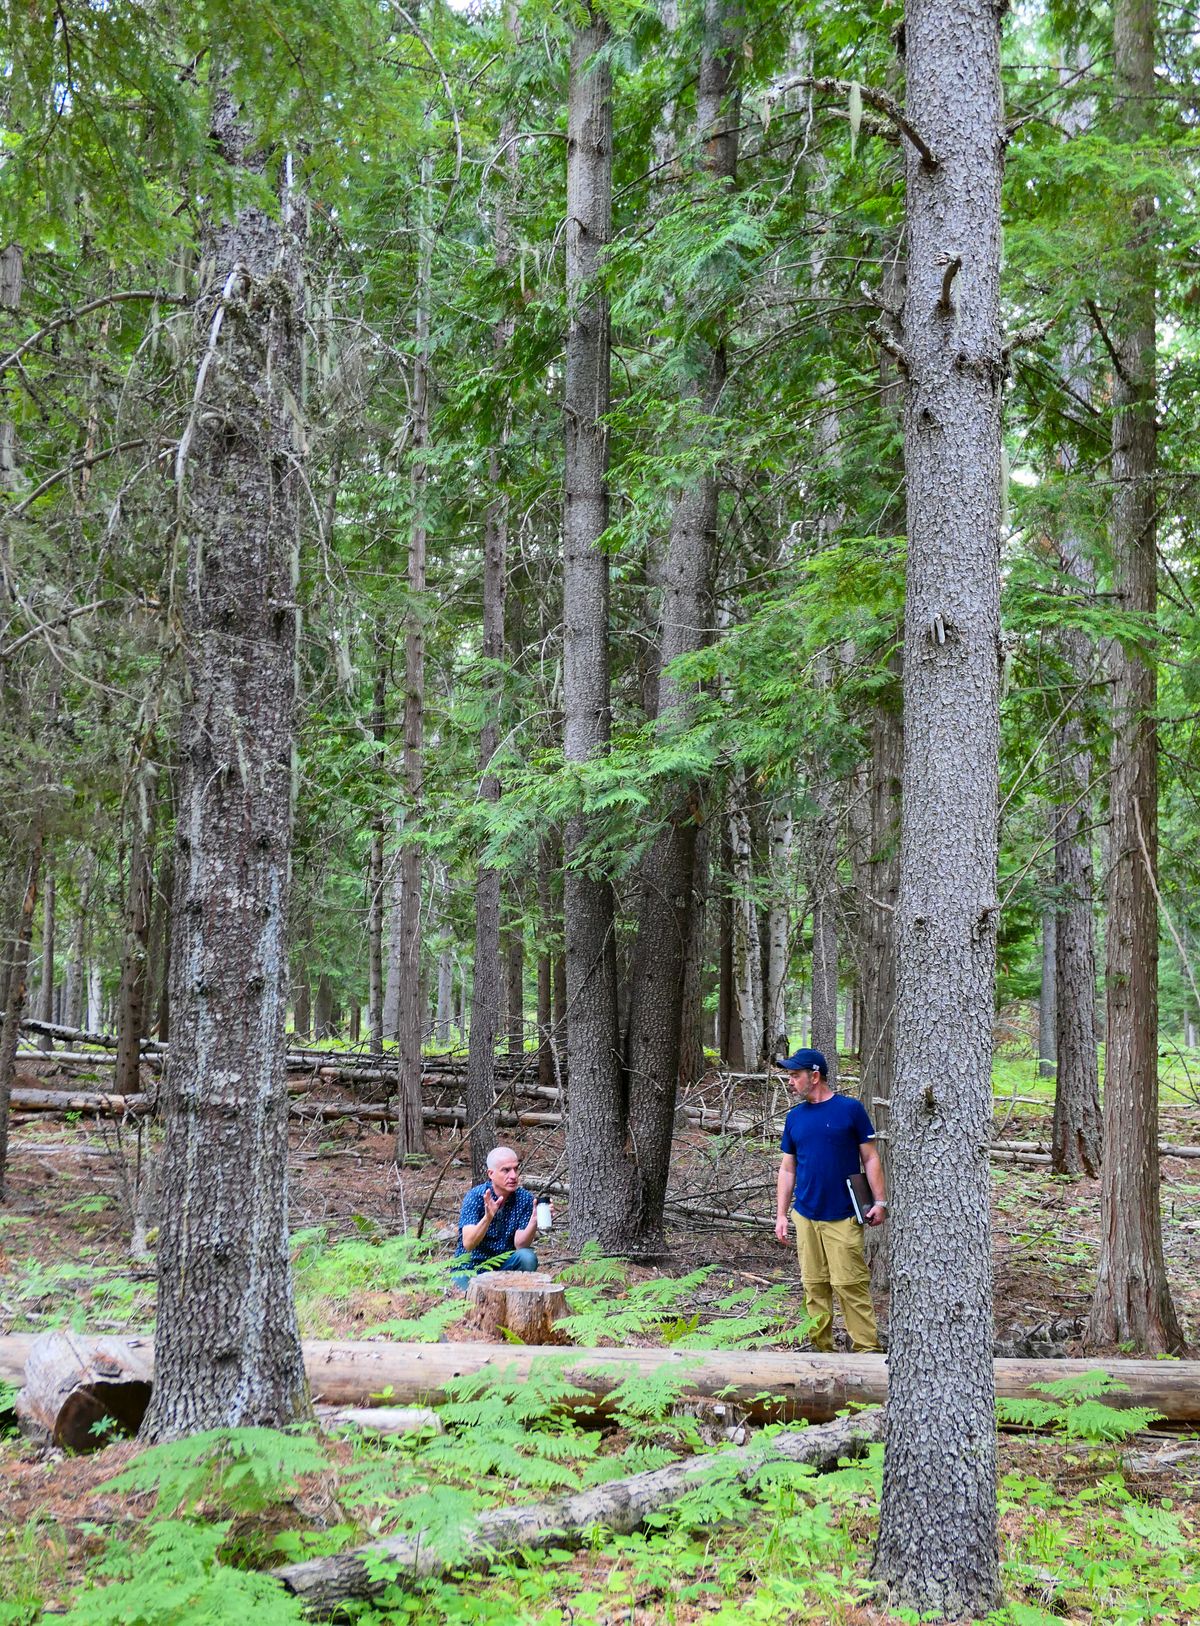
(876, 1214)
(492, 1204)
(781, 1227)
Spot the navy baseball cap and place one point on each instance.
(806, 1058)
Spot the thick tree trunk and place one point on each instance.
(133, 993)
(410, 1131)
(1132, 1300)
(14, 1003)
(937, 1548)
(601, 1170)
(226, 1345)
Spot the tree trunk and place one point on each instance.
(1078, 1127)
(692, 1061)
(95, 998)
(227, 1350)
(161, 951)
(778, 927)
(132, 994)
(410, 1130)
(45, 1005)
(323, 1011)
(729, 1038)
(394, 914)
(601, 1172)
(547, 1073)
(825, 948)
(747, 951)
(1132, 1300)
(937, 1548)
(302, 1002)
(14, 1004)
(667, 897)
(72, 1010)
(375, 867)
(515, 988)
(1048, 998)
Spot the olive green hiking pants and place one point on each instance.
(832, 1261)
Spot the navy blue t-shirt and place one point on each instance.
(500, 1236)
(824, 1139)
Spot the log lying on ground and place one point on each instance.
(73, 1383)
(94, 1101)
(381, 1420)
(765, 1384)
(527, 1303)
(620, 1506)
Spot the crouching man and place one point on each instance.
(497, 1222)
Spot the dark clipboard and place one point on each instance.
(861, 1196)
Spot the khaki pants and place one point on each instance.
(832, 1261)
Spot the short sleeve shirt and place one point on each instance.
(514, 1216)
(824, 1138)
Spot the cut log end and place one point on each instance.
(79, 1392)
(524, 1304)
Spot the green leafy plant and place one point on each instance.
(1075, 1409)
(242, 1469)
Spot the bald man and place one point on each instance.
(497, 1222)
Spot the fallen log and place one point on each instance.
(620, 1506)
(105, 1105)
(380, 1420)
(72, 1385)
(766, 1384)
(55, 1030)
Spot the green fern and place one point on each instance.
(1077, 1410)
(242, 1469)
(178, 1577)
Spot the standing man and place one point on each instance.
(824, 1138)
(497, 1222)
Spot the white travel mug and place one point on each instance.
(545, 1215)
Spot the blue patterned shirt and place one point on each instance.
(499, 1237)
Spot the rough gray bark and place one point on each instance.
(599, 1168)
(226, 1344)
(132, 994)
(547, 1072)
(654, 1031)
(1132, 1300)
(302, 1002)
(323, 1024)
(937, 1548)
(410, 1129)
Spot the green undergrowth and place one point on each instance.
(704, 1309)
(205, 1520)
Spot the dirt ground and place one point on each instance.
(64, 1249)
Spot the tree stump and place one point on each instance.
(524, 1303)
(74, 1383)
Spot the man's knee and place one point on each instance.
(524, 1259)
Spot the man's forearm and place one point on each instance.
(473, 1235)
(522, 1239)
(873, 1169)
(784, 1186)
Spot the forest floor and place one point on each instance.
(1086, 1537)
